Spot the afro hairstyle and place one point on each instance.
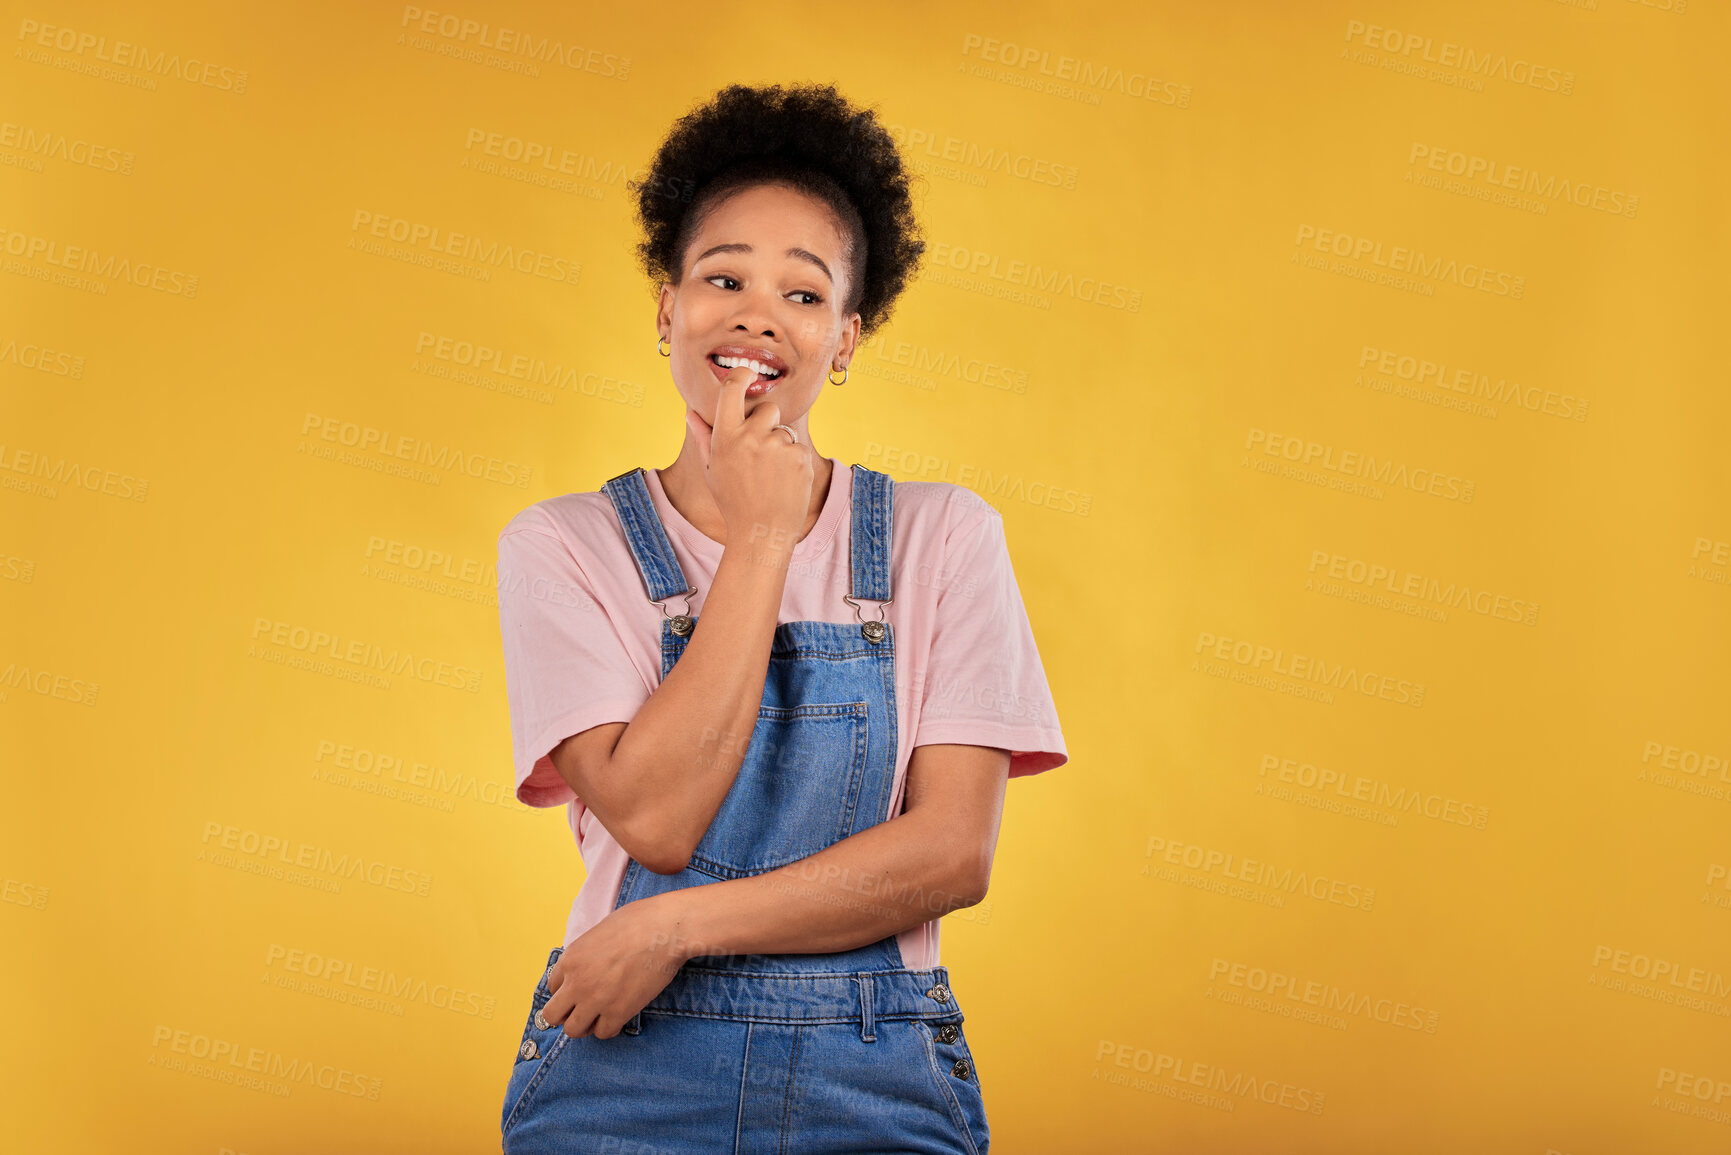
(809, 138)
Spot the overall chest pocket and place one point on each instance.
(798, 790)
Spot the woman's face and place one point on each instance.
(764, 279)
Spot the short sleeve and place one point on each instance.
(566, 667)
(983, 684)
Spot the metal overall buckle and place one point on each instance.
(681, 622)
(873, 630)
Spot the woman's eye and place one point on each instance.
(733, 284)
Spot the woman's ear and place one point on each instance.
(664, 307)
(844, 349)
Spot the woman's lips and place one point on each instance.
(756, 387)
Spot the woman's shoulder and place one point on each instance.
(935, 520)
(574, 518)
(939, 500)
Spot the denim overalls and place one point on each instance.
(797, 1053)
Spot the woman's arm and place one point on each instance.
(933, 858)
(657, 781)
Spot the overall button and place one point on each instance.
(948, 1033)
(541, 1022)
(530, 1050)
(940, 992)
(960, 1070)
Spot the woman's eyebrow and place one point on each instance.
(742, 247)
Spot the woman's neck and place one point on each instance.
(688, 490)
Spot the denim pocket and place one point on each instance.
(796, 792)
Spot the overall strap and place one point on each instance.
(873, 501)
(662, 576)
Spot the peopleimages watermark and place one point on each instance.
(547, 157)
(27, 354)
(282, 853)
(1377, 578)
(1690, 1086)
(125, 54)
(381, 981)
(1356, 467)
(410, 780)
(42, 474)
(81, 263)
(1710, 560)
(1253, 656)
(949, 150)
(230, 1061)
(514, 45)
(1203, 1079)
(48, 684)
(1506, 180)
(1330, 789)
(1071, 77)
(1437, 374)
(1256, 874)
(316, 643)
(52, 144)
(1661, 980)
(17, 892)
(993, 487)
(1404, 259)
(419, 451)
(920, 360)
(1327, 997)
(1479, 66)
(982, 267)
(514, 372)
(429, 242)
(1687, 761)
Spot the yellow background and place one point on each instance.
(1192, 157)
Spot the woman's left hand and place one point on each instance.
(612, 970)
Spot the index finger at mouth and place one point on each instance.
(730, 405)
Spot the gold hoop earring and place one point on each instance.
(667, 352)
(843, 380)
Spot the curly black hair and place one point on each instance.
(807, 137)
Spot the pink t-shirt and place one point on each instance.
(582, 642)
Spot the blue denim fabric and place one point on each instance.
(802, 1053)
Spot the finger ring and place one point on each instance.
(791, 432)
(541, 1022)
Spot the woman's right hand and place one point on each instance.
(761, 481)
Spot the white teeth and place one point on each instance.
(757, 367)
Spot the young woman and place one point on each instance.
(779, 696)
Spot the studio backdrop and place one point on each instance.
(1350, 379)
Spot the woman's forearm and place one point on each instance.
(889, 877)
(668, 772)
